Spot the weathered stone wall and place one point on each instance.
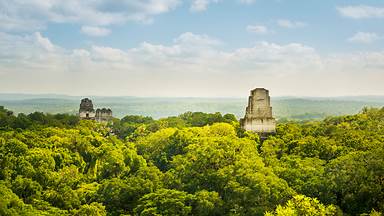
(87, 114)
(86, 105)
(258, 115)
(259, 125)
(259, 104)
(86, 111)
(103, 115)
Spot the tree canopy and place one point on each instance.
(192, 164)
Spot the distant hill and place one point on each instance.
(283, 107)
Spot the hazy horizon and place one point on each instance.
(299, 108)
(37, 95)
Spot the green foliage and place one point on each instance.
(174, 202)
(133, 126)
(11, 204)
(35, 119)
(193, 164)
(198, 119)
(93, 209)
(302, 205)
(26, 188)
(338, 160)
(165, 202)
(356, 180)
(217, 160)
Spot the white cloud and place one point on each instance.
(201, 5)
(193, 65)
(43, 42)
(21, 15)
(108, 54)
(189, 38)
(258, 29)
(26, 47)
(364, 37)
(361, 11)
(290, 24)
(95, 31)
(247, 1)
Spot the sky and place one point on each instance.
(192, 48)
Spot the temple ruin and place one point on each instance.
(103, 115)
(258, 115)
(87, 112)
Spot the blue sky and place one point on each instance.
(192, 48)
(324, 27)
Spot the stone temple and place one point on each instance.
(258, 115)
(103, 115)
(87, 111)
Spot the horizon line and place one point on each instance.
(201, 97)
